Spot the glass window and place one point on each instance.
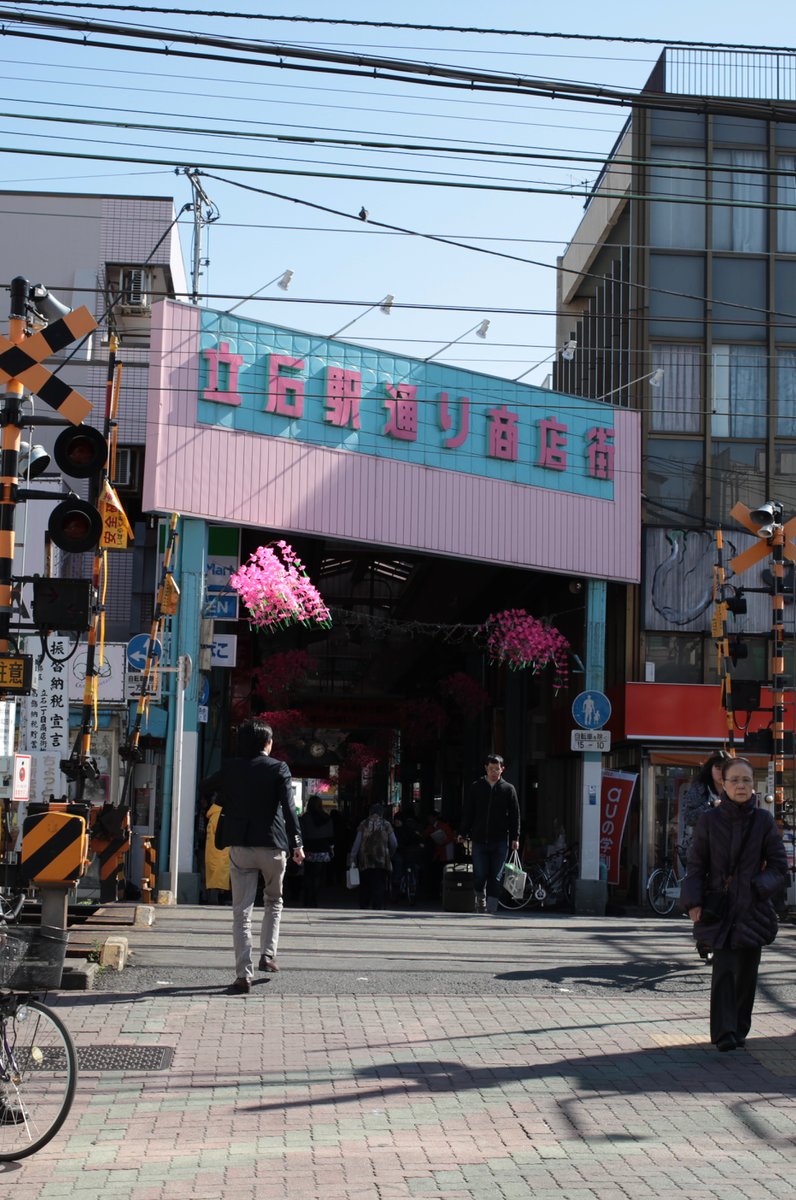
(786, 194)
(740, 130)
(736, 227)
(786, 395)
(784, 315)
(740, 390)
(677, 126)
(674, 476)
(737, 472)
(678, 308)
(675, 225)
(784, 485)
(676, 403)
(754, 666)
(677, 657)
(736, 280)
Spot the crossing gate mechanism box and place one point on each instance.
(458, 888)
(54, 848)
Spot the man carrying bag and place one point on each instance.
(491, 817)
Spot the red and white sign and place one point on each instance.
(617, 792)
(21, 789)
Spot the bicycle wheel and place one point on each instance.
(660, 881)
(38, 1076)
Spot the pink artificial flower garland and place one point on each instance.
(519, 640)
(277, 591)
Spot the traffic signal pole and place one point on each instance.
(777, 543)
(9, 463)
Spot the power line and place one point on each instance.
(423, 28)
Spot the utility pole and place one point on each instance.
(205, 213)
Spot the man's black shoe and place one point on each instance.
(727, 1041)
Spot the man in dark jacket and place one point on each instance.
(491, 817)
(261, 827)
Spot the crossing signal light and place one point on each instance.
(738, 650)
(75, 525)
(736, 604)
(81, 451)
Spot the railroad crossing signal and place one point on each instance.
(756, 553)
(23, 364)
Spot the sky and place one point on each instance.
(342, 265)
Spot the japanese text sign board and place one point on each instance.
(616, 794)
(263, 379)
(16, 674)
(584, 740)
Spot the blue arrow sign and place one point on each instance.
(137, 651)
(591, 710)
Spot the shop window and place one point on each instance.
(676, 404)
(677, 658)
(740, 390)
(736, 227)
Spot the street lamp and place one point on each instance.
(384, 306)
(655, 377)
(479, 331)
(282, 281)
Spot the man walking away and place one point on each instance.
(261, 827)
(491, 817)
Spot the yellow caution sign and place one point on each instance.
(54, 848)
(169, 596)
(116, 530)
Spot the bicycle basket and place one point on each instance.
(31, 957)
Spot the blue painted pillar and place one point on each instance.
(182, 744)
(591, 774)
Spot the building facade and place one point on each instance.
(677, 295)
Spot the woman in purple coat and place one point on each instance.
(736, 863)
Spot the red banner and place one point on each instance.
(617, 792)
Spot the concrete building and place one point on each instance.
(677, 297)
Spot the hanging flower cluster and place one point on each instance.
(519, 640)
(466, 693)
(283, 721)
(360, 757)
(280, 674)
(422, 720)
(276, 590)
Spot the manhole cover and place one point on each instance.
(124, 1058)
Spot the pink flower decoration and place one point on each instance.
(277, 591)
(519, 640)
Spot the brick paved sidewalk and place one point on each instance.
(390, 1097)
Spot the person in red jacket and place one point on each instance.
(736, 864)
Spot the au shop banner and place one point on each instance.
(617, 792)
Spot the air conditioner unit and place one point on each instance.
(133, 288)
(125, 473)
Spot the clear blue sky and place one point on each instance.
(339, 259)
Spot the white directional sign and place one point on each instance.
(598, 740)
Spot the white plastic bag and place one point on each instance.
(352, 877)
(514, 877)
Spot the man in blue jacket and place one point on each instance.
(491, 817)
(261, 827)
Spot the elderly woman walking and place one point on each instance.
(736, 863)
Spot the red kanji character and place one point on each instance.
(402, 412)
(446, 420)
(601, 452)
(552, 443)
(285, 392)
(503, 433)
(343, 394)
(232, 362)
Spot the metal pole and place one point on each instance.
(777, 542)
(9, 460)
(179, 721)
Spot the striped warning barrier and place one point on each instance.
(110, 841)
(148, 875)
(54, 848)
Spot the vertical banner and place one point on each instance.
(44, 724)
(617, 792)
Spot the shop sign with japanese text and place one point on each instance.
(263, 379)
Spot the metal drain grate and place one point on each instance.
(124, 1058)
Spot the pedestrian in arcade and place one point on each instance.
(317, 832)
(374, 845)
(736, 864)
(491, 817)
(261, 828)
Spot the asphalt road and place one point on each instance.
(347, 952)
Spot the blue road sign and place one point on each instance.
(204, 691)
(591, 710)
(137, 650)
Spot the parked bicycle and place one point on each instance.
(38, 1063)
(663, 885)
(407, 886)
(548, 883)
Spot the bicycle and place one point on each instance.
(38, 1061)
(663, 885)
(547, 883)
